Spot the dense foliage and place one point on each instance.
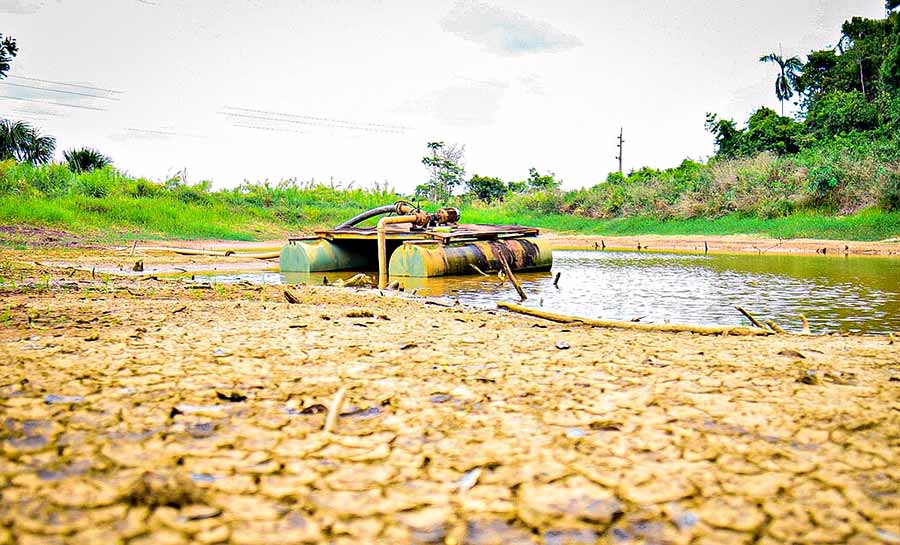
(8, 50)
(22, 142)
(85, 159)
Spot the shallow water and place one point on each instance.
(852, 294)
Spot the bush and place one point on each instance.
(889, 199)
(98, 183)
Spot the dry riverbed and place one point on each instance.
(142, 410)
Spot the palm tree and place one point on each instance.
(785, 81)
(85, 159)
(22, 142)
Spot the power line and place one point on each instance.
(323, 119)
(57, 91)
(162, 133)
(112, 91)
(311, 123)
(37, 101)
(261, 128)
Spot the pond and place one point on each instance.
(837, 294)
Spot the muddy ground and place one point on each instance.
(141, 410)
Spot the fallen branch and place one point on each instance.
(752, 318)
(674, 328)
(556, 280)
(512, 278)
(214, 253)
(479, 271)
(775, 327)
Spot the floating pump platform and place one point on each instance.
(416, 244)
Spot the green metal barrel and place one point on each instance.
(431, 258)
(315, 255)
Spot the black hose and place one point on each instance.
(386, 209)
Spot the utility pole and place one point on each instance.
(619, 157)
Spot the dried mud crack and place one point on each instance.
(139, 411)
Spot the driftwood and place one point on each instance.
(805, 330)
(512, 278)
(674, 328)
(214, 253)
(752, 318)
(479, 271)
(334, 410)
(775, 327)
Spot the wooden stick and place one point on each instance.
(133, 246)
(775, 327)
(512, 278)
(752, 318)
(556, 280)
(806, 330)
(700, 329)
(334, 410)
(479, 271)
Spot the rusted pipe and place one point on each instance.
(382, 248)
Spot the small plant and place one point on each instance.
(85, 159)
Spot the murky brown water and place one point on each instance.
(852, 294)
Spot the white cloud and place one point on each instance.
(505, 32)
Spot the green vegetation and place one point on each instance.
(85, 159)
(8, 50)
(108, 205)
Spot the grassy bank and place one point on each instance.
(121, 218)
(107, 205)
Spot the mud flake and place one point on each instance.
(732, 513)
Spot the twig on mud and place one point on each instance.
(334, 410)
(133, 246)
(290, 297)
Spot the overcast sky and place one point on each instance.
(353, 89)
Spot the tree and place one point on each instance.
(85, 159)
(8, 50)
(486, 188)
(891, 5)
(765, 131)
(446, 165)
(22, 142)
(785, 80)
(539, 182)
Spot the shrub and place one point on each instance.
(98, 183)
(889, 199)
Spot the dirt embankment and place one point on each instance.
(728, 244)
(148, 411)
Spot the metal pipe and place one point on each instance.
(386, 209)
(382, 249)
(399, 207)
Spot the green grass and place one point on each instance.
(121, 217)
(106, 205)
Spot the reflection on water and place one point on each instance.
(836, 294)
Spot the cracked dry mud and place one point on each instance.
(143, 412)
